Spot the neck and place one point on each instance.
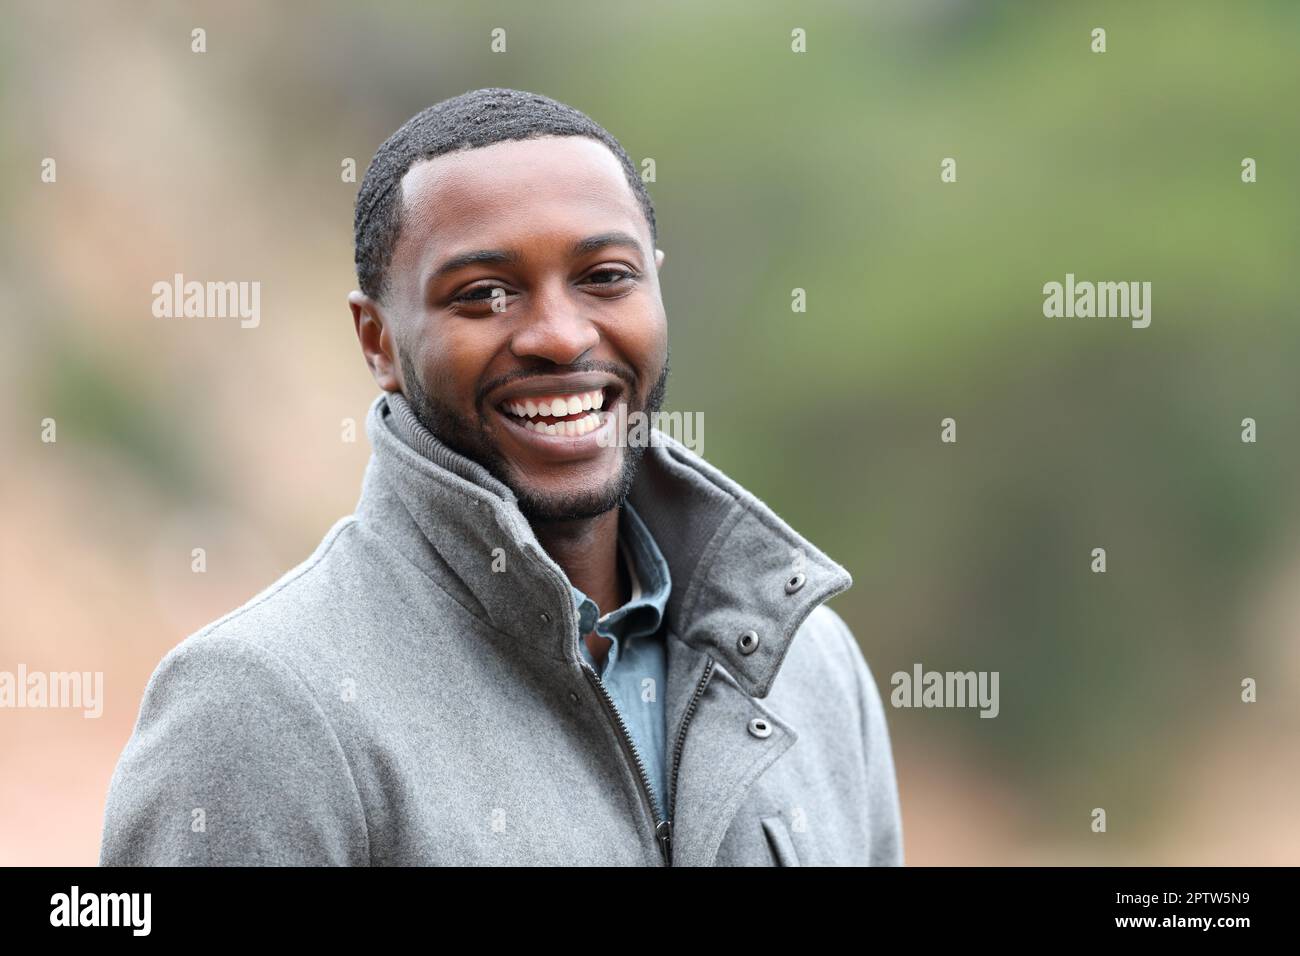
(587, 551)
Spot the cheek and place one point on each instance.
(453, 361)
(643, 341)
(661, 342)
(653, 349)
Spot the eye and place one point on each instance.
(480, 294)
(611, 277)
(473, 295)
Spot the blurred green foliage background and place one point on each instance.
(775, 170)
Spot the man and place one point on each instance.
(534, 642)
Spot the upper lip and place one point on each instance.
(557, 385)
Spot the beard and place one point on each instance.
(473, 440)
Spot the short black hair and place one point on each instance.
(469, 121)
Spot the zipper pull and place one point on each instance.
(664, 834)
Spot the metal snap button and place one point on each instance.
(544, 618)
(748, 642)
(794, 582)
(573, 698)
(760, 728)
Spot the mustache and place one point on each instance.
(621, 372)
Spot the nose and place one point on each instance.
(554, 328)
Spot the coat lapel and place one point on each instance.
(720, 757)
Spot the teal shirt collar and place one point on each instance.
(651, 586)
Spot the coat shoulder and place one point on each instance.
(229, 734)
(310, 616)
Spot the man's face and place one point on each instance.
(549, 230)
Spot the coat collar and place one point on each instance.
(735, 566)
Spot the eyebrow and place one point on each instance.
(505, 257)
(602, 241)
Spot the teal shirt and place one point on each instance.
(635, 668)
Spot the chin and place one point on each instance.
(566, 503)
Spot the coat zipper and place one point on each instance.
(681, 734)
(663, 824)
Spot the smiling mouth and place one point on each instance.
(562, 415)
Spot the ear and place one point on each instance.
(378, 340)
(659, 259)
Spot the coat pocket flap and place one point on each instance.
(778, 838)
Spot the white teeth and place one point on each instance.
(558, 407)
(573, 429)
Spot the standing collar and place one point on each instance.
(735, 567)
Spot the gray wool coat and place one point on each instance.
(394, 700)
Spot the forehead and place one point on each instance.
(562, 186)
